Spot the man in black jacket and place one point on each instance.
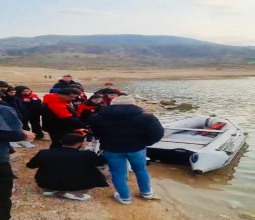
(59, 115)
(10, 131)
(66, 171)
(124, 131)
(3, 86)
(65, 82)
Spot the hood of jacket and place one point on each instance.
(120, 111)
(20, 89)
(53, 98)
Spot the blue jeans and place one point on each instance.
(117, 163)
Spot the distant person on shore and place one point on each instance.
(14, 102)
(65, 82)
(33, 105)
(109, 97)
(3, 86)
(50, 76)
(124, 131)
(108, 88)
(89, 108)
(10, 131)
(67, 171)
(59, 116)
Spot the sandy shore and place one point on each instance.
(35, 77)
(29, 204)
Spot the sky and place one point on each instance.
(220, 21)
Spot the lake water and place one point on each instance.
(228, 193)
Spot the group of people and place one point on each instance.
(123, 129)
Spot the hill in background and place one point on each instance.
(120, 51)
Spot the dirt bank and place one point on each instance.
(36, 76)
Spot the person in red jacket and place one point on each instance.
(33, 106)
(59, 115)
(109, 97)
(89, 108)
(80, 98)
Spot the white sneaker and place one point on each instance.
(116, 196)
(27, 144)
(83, 197)
(49, 193)
(15, 145)
(147, 195)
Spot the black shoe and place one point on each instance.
(39, 136)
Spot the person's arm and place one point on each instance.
(93, 125)
(92, 158)
(85, 115)
(66, 117)
(12, 136)
(35, 162)
(154, 130)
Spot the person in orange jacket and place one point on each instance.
(59, 116)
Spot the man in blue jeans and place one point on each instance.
(124, 131)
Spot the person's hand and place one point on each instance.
(81, 131)
(29, 135)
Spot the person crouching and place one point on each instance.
(68, 171)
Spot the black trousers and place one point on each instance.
(55, 140)
(6, 183)
(35, 124)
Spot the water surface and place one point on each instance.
(229, 191)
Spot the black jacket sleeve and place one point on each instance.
(85, 115)
(92, 158)
(35, 162)
(94, 126)
(12, 136)
(154, 131)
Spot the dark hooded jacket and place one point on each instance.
(63, 84)
(34, 106)
(59, 116)
(17, 104)
(125, 128)
(68, 169)
(10, 131)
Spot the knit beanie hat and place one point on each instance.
(123, 100)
